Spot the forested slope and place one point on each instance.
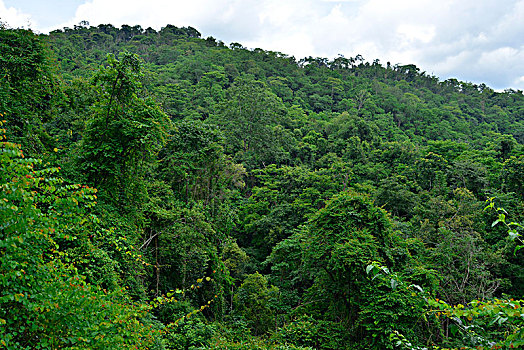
(165, 191)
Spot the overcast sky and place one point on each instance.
(471, 40)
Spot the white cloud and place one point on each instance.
(412, 33)
(519, 83)
(15, 18)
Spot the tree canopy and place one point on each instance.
(160, 190)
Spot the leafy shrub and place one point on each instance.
(44, 302)
(317, 334)
(254, 300)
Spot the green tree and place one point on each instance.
(28, 89)
(247, 119)
(255, 301)
(123, 135)
(342, 239)
(45, 303)
(513, 173)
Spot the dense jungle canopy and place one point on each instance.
(160, 190)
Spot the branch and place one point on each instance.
(146, 243)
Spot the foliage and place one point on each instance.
(248, 116)
(317, 334)
(27, 88)
(256, 302)
(513, 227)
(355, 188)
(486, 324)
(341, 239)
(494, 323)
(42, 294)
(124, 133)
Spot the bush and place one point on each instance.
(255, 301)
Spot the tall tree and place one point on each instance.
(124, 134)
(248, 118)
(27, 88)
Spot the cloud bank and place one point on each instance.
(14, 17)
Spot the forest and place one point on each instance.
(161, 190)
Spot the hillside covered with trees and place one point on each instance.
(160, 190)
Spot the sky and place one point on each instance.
(478, 41)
